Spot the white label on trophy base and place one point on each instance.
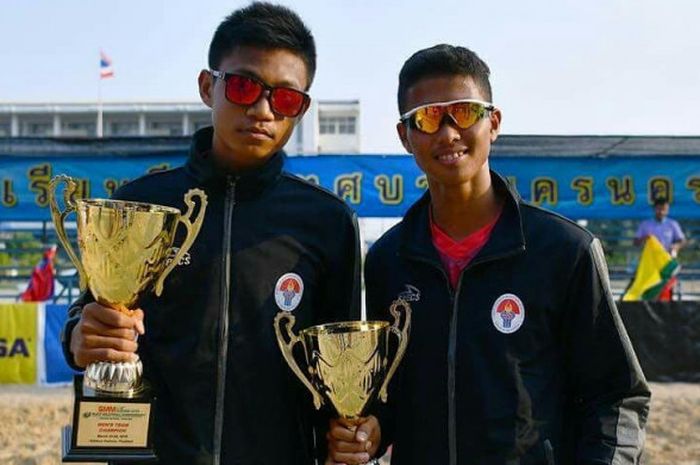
(111, 424)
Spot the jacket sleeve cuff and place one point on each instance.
(65, 339)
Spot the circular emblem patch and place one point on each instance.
(508, 313)
(288, 291)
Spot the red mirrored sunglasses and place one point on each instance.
(246, 90)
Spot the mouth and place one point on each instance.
(450, 158)
(257, 133)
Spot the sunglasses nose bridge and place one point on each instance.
(447, 119)
(450, 131)
(447, 113)
(262, 105)
(263, 93)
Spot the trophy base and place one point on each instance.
(108, 427)
(128, 394)
(82, 455)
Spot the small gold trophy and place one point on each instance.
(346, 362)
(126, 249)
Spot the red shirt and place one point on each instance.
(456, 255)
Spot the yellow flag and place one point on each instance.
(18, 343)
(656, 267)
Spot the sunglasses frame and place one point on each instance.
(225, 76)
(406, 117)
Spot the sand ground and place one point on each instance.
(33, 416)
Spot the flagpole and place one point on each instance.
(99, 105)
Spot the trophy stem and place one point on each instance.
(352, 422)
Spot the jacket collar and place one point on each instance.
(507, 236)
(202, 167)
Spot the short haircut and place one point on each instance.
(443, 60)
(660, 201)
(267, 26)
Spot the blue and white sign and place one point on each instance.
(385, 186)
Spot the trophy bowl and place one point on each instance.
(347, 363)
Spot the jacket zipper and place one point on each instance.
(229, 203)
(549, 452)
(452, 346)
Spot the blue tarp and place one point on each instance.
(57, 370)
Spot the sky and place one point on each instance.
(557, 67)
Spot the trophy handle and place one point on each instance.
(286, 348)
(59, 217)
(192, 231)
(402, 335)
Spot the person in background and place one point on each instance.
(41, 283)
(665, 229)
(669, 234)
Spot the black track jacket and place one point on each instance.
(559, 384)
(224, 393)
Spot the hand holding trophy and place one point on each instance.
(347, 362)
(126, 250)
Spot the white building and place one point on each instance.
(328, 126)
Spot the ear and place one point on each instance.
(206, 87)
(403, 136)
(495, 124)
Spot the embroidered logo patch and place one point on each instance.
(288, 291)
(186, 258)
(508, 313)
(411, 294)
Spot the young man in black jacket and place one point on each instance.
(208, 346)
(517, 352)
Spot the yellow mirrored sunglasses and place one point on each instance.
(464, 113)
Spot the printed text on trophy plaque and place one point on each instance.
(113, 424)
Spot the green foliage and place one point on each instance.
(21, 249)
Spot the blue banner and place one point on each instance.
(57, 370)
(385, 186)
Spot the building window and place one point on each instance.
(36, 128)
(346, 125)
(337, 125)
(124, 128)
(5, 130)
(78, 128)
(164, 128)
(326, 125)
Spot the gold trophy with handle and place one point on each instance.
(347, 363)
(126, 250)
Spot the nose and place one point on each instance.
(449, 132)
(261, 110)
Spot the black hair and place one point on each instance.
(264, 25)
(443, 60)
(660, 201)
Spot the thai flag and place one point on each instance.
(106, 70)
